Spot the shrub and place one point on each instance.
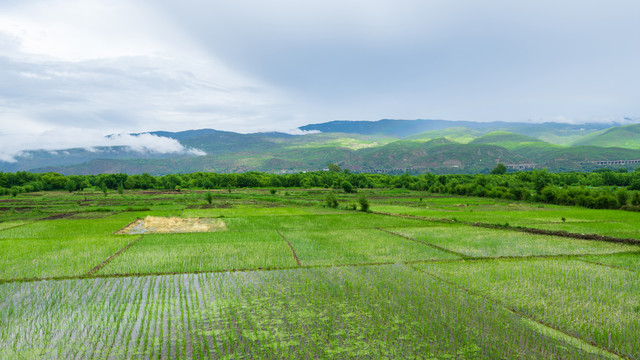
(622, 197)
(364, 203)
(331, 200)
(209, 197)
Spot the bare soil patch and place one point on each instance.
(58, 216)
(164, 225)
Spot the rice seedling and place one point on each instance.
(595, 303)
(335, 247)
(482, 242)
(169, 253)
(363, 312)
(46, 258)
(630, 261)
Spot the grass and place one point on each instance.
(44, 258)
(438, 307)
(480, 242)
(344, 220)
(365, 312)
(10, 224)
(614, 223)
(256, 211)
(336, 247)
(630, 261)
(192, 252)
(592, 302)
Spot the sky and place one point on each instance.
(73, 71)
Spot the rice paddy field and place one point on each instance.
(257, 275)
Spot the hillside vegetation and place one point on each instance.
(388, 146)
(621, 136)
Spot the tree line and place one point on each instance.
(602, 189)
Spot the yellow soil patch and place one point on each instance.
(155, 224)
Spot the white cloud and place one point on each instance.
(301, 132)
(149, 143)
(14, 145)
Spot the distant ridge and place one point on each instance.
(404, 128)
(368, 146)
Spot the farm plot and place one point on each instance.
(344, 220)
(482, 242)
(194, 252)
(349, 312)
(242, 211)
(596, 303)
(614, 229)
(629, 261)
(11, 224)
(614, 223)
(358, 246)
(46, 258)
(54, 229)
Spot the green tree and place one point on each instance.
(334, 168)
(209, 197)
(500, 169)
(70, 186)
(347, 187)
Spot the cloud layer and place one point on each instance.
(70, 67)
(144, 143)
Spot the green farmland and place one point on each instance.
(280, 275)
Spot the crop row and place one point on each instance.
(362, 312)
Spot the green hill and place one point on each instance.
(505, 139)
(457, 149)
(627, 136)
(458, 134)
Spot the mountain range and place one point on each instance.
(393, 146)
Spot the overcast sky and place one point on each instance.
(72, 71)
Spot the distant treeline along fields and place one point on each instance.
(601, 189)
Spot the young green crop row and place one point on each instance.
(596, 303)
(63, 248)
(73, 247)
(351, 312)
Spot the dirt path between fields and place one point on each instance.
(107, 260)
(291, 247)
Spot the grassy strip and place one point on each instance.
(301, 267)
(607, 265)
(290, 246)
(16, 226)
(463, 256)
(523, 315)
(560, 233)
(107, 260)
